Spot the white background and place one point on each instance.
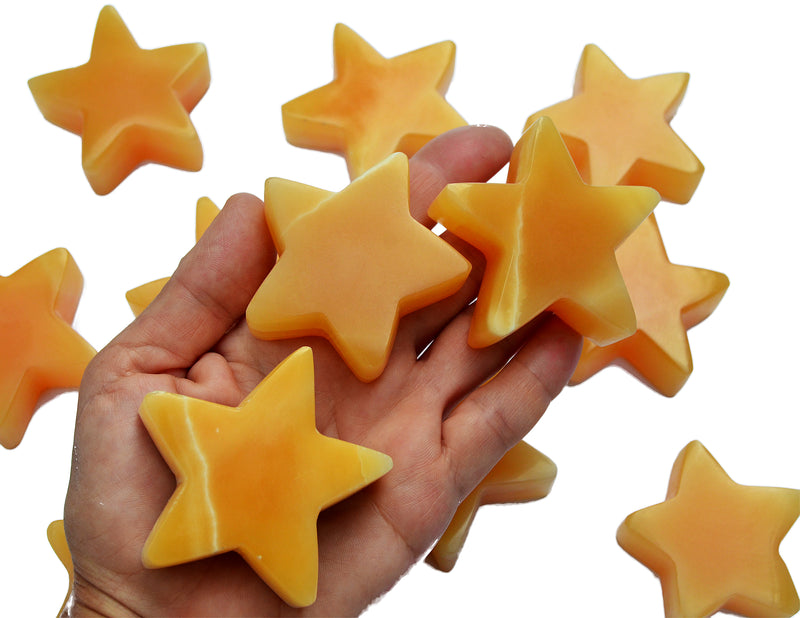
(613, 439)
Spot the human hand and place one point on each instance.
(438, 418)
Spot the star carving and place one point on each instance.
(253, 479)
(523, 474)
(350, 265)
(617, 129)
(375, 106)
(41, 352)
(129, 105)
(668, 299)
(714, 543)
(549, 240)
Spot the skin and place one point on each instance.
(435, 416)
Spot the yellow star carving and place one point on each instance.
(130, 105)
(40, 350)
(668, 300)
(375, 106)
(253, 479)
(522, 475)
(58, 541)
(549, 241)
(350, 265)
(617, 129)
(714, 543)
(139, 297)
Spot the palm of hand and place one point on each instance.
(193, 341)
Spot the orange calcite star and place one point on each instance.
(253, 479)
(58, 541)
(617, 129)
(375, 106)
(668, 300)
(139, 297)
(41, 351)
(130, 105)
(549, 241)
(350, 265)
(714, 543)
(522, 475)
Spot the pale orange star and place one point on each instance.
(350, 265)
(668, 300)
(714, 543)
(617, 129)
(253, 479)
(141, 296)
(522, 475)
(41, 352)
(130, 105)
(375, 106)
(549, 241)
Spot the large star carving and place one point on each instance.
(668, 299)
(350, 265)
(129, 105)
(253, 479)
(714, 543)
(375, 106)
(617, 129)
(41, 351)
(523, 474)
(549, 241)
(141, 296)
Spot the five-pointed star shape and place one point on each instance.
(714, 543)
(139, 297)
(617, 129)
(350, 265)
(40, 349)
(58, 541)
(130, 105)
(668, 300)
(253, 479)
(375, 106)
(522, 475)
(549, 241)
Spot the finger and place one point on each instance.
(497, 415)
(208, 293)
(467, 154)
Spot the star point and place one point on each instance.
(375, 106)
(350, 265)
(668, 299)
(549, 241)
(129, 105)
(523, 474)
(714, 543)
(41, 350)
(617, 129)
(254, 478)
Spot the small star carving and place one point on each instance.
(549, 241)
(350, 265)
(668, 300)
(714, 543)
(617, 129)
(41, 351)
(129, 105)
(375, 106)
(522, 475)
(253, 479)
